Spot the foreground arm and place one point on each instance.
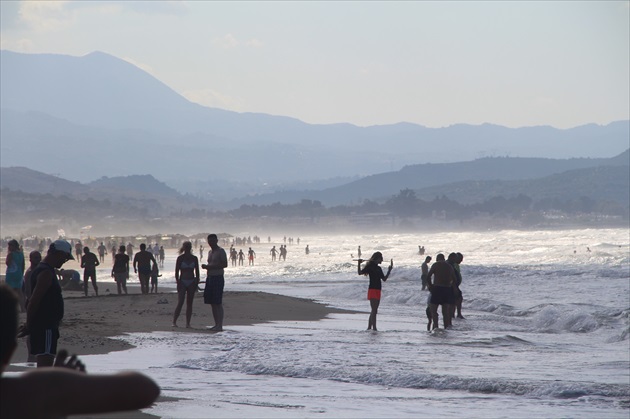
(61, 392)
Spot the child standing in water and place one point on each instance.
(375, 273)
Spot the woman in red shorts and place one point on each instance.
(375, 273)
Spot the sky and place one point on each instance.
(436, 64)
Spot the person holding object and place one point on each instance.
(64, 388)
(375, 273)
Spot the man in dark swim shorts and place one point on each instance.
(215, 282)
(45, 308)
(143, 263)
(89, 262)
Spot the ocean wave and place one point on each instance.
(491, 306)
(615, 273)
(507, 340)
(558, 319)
(413, 379)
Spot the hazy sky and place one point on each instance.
(436, 64)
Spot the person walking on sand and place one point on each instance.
(215, 282)
(375, 273)
(89, 262)
(120, 270)
(78, 249)
(15, 270)
(102, 251)
(187, 278)
(143, 262)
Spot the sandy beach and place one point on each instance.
(91, 323)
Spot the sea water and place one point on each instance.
(545, 334)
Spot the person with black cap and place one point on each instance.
(45, 307)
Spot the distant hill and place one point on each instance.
(140, 191)
(603, 183)
(32, 181)
(145, 184)
(30, 198)
(431, 177)
(97, 115)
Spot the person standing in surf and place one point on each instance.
(442, 290)
(375, 273)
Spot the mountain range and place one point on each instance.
(466, 182)
(82, 118)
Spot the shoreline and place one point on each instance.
(91, 324)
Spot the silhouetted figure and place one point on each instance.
(187, 278)
(376, 275)
(89, 262)
(120, 269)
(251, 255)
(143, 262)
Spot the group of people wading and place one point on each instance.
(443, 280)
